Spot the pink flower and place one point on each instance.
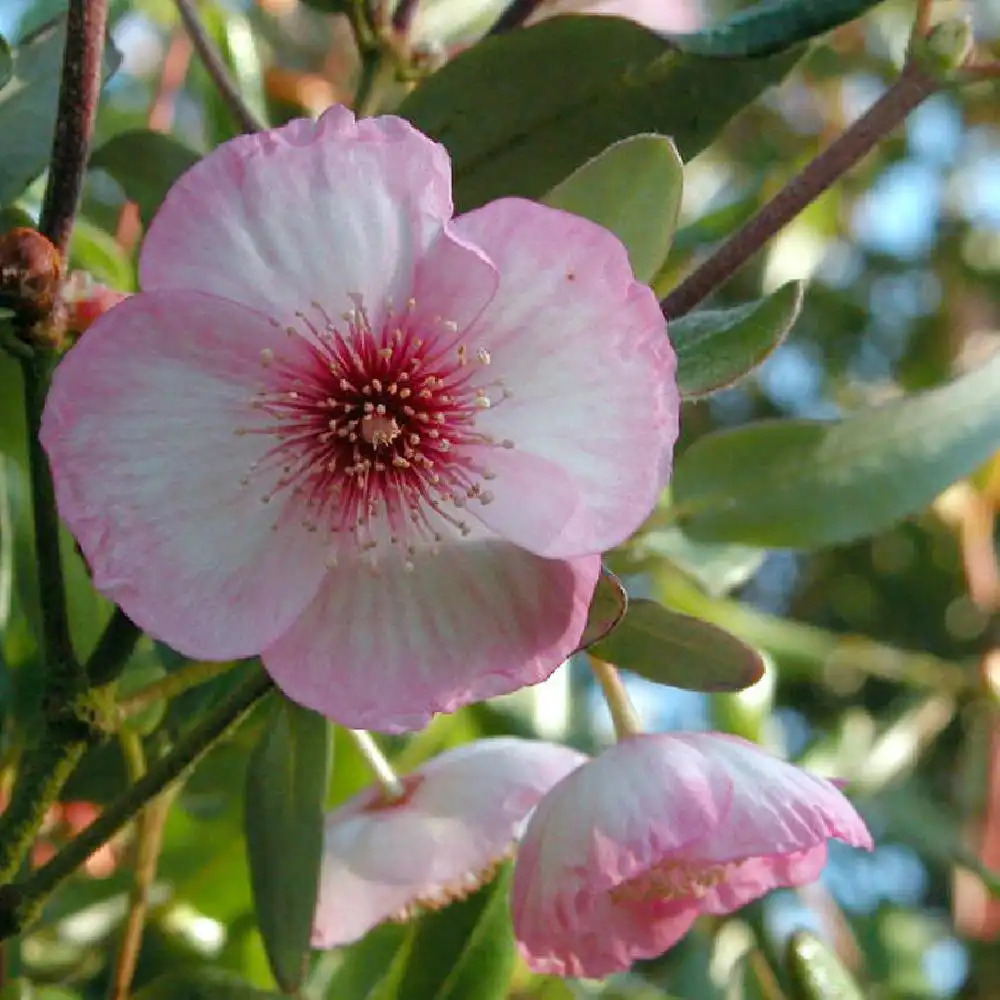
(380, 447)
(622, 856)
(459, 819)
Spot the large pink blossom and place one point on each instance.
(459, 818)
(622, 856)
(381, 447)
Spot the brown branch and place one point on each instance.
(514, 16)
(912, 87)
(216, 68)
(79, 92)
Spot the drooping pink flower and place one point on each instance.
(460, 816)
(622, 856)
(381, 447)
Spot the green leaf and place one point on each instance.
(801, 484)
(28, 106)
(145, 164)
(718, 568)
(607, 608)
(520, 111)
(670, 648)
(202, 984)
(98, 252)
(463, 952)
(815, 973)
(717, 347)
(362, 966)
(771, 26)
(287, 778)
(634, 189)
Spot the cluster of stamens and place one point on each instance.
(671, 879)
(375, 435)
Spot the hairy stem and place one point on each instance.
(20, 903)
(216, 68)
(79, 92)
(912, 87)
(57, 647)
(189, 676)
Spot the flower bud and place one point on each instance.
(30, 274)
(948, 45)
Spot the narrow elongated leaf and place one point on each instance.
(675, 649)
(202, 984)
(717, 347)
(28, 106)
(520, 111)
(771, 26)
(145, 164)
(607, 607)
(363, 964)
(463, 952)
(800, 483)
(816, 973)
(634, 189)
(287, 778)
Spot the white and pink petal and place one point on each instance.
(156, 480)
(581, 348)
(461, 813)
(313, 212)
(386, 646)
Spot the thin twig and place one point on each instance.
(922, 18)
(216, 68)
(909, 90)
(149, 843)
(79, 92)
(174, 684)
(21, 902)
(514, 15)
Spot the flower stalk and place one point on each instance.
(378, 763)
(623, 714)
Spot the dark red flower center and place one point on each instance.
(377, 436)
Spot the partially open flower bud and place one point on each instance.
(87, 300)
(30, 273)
(948, 46)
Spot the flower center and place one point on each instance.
(376, 436)
(671, 879)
